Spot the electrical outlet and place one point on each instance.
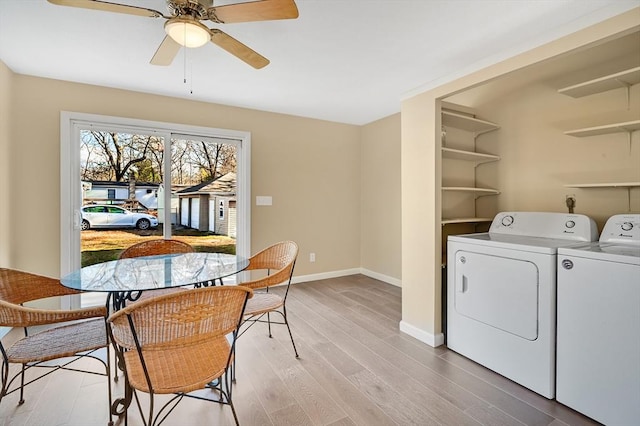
(312, 257)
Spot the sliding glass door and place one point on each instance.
(123, 183)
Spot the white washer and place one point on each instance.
(598, 356)
(501, 293)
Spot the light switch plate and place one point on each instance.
(263, 200)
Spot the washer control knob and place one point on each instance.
(567, 264)
(507, 220)
(627, 226)
(570, 224)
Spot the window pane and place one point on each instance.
(126, 170)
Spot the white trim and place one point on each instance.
(324, 275)
(423, 336)
(381, 277)
(345, 272)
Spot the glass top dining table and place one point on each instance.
(125, 279)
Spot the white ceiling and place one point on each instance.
(350, 61)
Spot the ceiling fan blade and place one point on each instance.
(166, 52)
(264, 10)
(238, 49)
(109, 7)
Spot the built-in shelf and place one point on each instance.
(477, 191)
(465, 122)
(466, 220)
(604, 185)
(625, 78)
(626, 127)
(625, 185)
(457, 154)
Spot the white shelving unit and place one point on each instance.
(476, 126)
(604, 185)
(466, 220)
(624, 185)
(476, 157)
(468, 123)
(478, 192)
(626, 78)
(626, 127)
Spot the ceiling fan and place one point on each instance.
(184, 26)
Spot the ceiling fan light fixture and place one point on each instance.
(187, 32)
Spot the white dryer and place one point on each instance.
(501, 293)
(598, 355)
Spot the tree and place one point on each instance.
(115, 154)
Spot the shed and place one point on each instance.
(210, 206)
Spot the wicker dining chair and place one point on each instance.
(156, 247)
(69, 335)
(278, 261)
(179, 343)
(153, 248)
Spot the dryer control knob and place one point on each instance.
(507, 220)
(567, 264)
(570, 224)
(627, 226)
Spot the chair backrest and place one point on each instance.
(278, 260)
(180, 319)
(18, 287)
(155, 247)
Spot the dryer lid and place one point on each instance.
(514, 242)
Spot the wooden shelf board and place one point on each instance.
(483, 191)
(609, 82)
(466, 220)
(457, 154)
(628, 126)
(604, 185)
(470, 124)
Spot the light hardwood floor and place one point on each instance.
(355, 368)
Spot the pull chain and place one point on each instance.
(184, 57)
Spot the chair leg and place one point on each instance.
(269, 323)
(5, 376)
(22, 386)
(286, 321)
(233, 410)
(108, 375)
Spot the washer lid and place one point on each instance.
(514, 242)
(609, 252)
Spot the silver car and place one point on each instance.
(99, 216)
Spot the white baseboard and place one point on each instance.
(324, 275)
(345, 272)
(387, 279)
(423, 336)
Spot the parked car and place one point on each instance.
(99, 216)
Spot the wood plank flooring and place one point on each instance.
(355, 368)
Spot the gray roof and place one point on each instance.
(224, 185)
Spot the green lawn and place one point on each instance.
(105, 245)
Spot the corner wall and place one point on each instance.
(380, 223)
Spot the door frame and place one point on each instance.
(70, 190)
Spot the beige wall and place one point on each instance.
(420, 147)
(311, 168)
(6, 77)
(380, 248)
